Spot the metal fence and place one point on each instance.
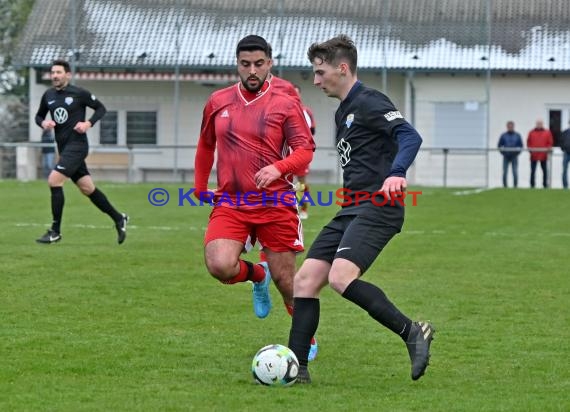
(436, 167)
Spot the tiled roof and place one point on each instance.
(530, 35)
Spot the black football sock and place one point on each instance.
(57, 202)
(371, 298)
(305, 322)
(100, 200)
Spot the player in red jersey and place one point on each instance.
(261, 138)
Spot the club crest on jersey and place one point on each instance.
(349, 120)
(93, 97)
(68, 100)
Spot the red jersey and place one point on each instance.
(309, 119)
(284, 86)
(249, 135)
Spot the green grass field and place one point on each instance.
(90, 325)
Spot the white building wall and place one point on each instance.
(512, 97)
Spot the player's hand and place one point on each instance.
(82, 127)
(48, 124)
(266, 176)
(205, 195)
(394, 184)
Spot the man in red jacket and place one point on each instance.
(539, 143)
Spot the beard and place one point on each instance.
(253, 88)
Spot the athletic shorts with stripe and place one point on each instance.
(278, 229)
(358, 238)
(71, 162)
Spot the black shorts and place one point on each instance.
(71, 162)
(358, 238)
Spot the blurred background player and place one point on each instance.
(67, 106)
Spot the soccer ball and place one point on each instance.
(275, 365)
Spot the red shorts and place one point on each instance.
(278, 229)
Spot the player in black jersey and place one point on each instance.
(376, 147)
(67, 105)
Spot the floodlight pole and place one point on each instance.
(176, 96)
(73, 42)
(386, 30)
(280, 22)
(488, 91)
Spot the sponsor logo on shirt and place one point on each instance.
(60, 115)
(343, 148)
(393, 115)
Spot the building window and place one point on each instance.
(141, 128)
(109, 128)
(460, 125)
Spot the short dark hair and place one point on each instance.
(63, 63)
(254, 42)
(334, 50)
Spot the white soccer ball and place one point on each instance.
(275, 365)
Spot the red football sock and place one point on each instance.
(247, 271)
(262, 256)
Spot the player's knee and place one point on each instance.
(220, 269)
(339, 280)
(86, 190)
(305, 284)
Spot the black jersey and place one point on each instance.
(67, 107)
(365, 139)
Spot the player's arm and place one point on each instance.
(42, 113)
(99, 111)
(386, 118)
(204, 158)
(409, 142)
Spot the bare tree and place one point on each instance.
(13, 16)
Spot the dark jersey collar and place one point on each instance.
(353, 91)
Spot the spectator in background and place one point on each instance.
(48, 152)
(565, 146)
(541, 139)
(510, 145)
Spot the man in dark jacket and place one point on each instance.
(510, 145)
(565, 146)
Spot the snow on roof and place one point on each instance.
(398, 35)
